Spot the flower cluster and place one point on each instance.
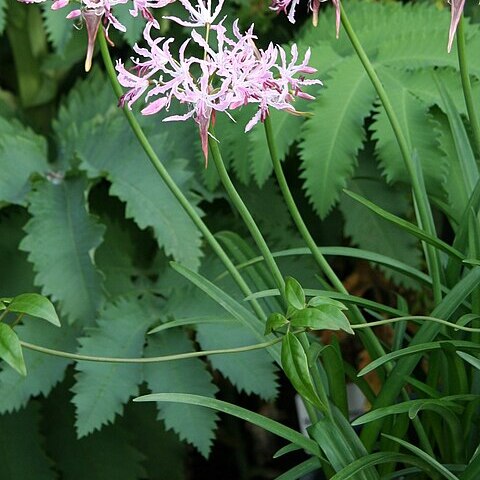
(288, 7)
(231, 74)
(92, 12)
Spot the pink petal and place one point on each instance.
(456, 11)
(59, 4)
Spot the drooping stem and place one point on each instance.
(165, 358)
(466, 84)
(424, 217)
(374, 346)
(246, 216)
(170, 183)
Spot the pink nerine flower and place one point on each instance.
(92, 12)
(289, 6)
(456, 14)
(228, 76)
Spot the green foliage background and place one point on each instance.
(85, 220)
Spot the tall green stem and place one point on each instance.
(374, 346)
(467, 87)
(425, 218)
(246, 216)
(170, 183)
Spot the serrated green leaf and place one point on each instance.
(295, 366)
(368, 230)
(91, 127)
(135, 181)
(134, 25)
(3, 15)
(20, 437)
(286, 128)
(11, 350)
(418, 130)
(22, 153)
(44, 371)
(274, 322)
(109, 453)
(193, 424)
(61, 236)
(332, 138)
(294, 293)
(101, 389)
(35, 305)
(238, 368)
(114, 258)
(323, 317)
(59, 28)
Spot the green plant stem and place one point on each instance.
(165, 358)
(246, 216)
(170, 183)
(425, 219)
(466, 85)
(375, 347)
(414, 318)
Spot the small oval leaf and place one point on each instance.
(295, 366)
(11, 350)
(294, 293)
(326, 317)
(35, 305)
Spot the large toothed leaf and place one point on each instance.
(101, 389)
(59, 28)
(22, 153)
(3, 14)
(196, 425)
(21, 446)
(417, 127)
(332, 138)
(109, 454)
(61, 236)
(238, 368)
(368, 230)
(44, 371)
(102, 139)
(286, 128)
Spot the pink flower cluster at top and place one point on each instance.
(288, 7)
(229, 75)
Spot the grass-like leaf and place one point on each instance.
(239, 412)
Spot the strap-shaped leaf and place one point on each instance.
(101, 389)
(61, 236)
(239, 412)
